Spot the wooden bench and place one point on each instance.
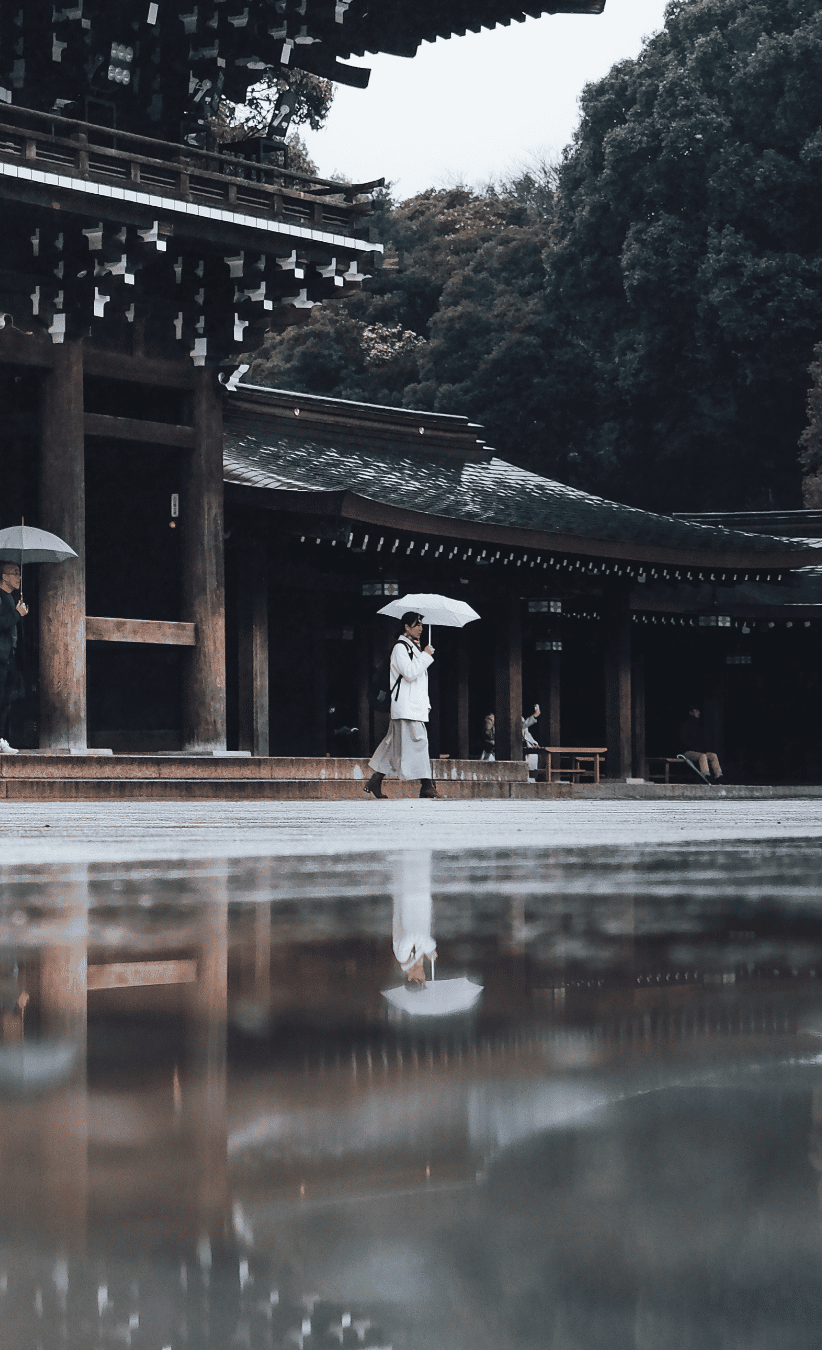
(570, 762)
(663, 772)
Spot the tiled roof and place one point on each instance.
(258, 453)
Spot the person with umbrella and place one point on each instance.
(403, 751)
(19, 544)
(11, 612)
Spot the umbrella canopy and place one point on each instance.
(24, 544)
(436, 609)
(440, 999)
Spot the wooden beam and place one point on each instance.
(139, 369)
(160, 632)
(62, 588)
(19, 348)
(135, 429)
(131, 974)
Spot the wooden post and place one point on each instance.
(617, 682)
(362, 634)
(550, 688)
(252, 617)
(317, 689)
(508, 670)
(436, 692)
(62, 1115)
(205, 1088)
(62, 586)
(713, 708)
(203, 581)
(463, 702)
(638, 714)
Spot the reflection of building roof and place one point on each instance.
(365, 463)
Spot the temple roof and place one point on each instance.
(415, 476)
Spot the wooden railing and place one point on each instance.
(213, 177)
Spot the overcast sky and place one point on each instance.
(477, 107)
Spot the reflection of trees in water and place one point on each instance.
(684, 1218)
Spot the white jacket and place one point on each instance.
(411, 891)
(410, 699)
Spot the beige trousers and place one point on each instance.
(702, 761)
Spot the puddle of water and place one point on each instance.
(227, 1119)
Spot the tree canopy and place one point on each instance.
(641, 326)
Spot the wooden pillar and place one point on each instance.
(252, 618)
(550, 688)
(638, 713)
(62, 586)
(62, 1115)
(436, 692)
(463, 701)
(617, 624)
(362, 634)
(205, 1100)
(203, 582)
(317, 690)
(508, 670)
(713, 710)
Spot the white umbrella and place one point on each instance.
(435, 609)
(440, 999)
(24, 544)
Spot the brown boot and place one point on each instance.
(374, 786)
(429, 789)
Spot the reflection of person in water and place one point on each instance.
(411, 892)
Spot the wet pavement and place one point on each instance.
(66, 831)
(226, 1119)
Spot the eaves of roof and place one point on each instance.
(398, 487)
(352, 507)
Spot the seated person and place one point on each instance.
(694, 742)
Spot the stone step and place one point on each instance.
(104, 789)
(216, 768)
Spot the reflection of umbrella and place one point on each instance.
(35, 1065)
(22, 543)
(440, 999)
(435, 609)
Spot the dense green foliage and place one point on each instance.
(645, 329)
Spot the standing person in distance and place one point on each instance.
(403, 751)
(11, 613)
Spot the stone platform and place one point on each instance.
(36, 776)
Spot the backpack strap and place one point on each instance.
(395, 687)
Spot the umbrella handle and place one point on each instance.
(432, 958)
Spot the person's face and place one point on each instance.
(695, 712)
(11, 577)
(414, 630)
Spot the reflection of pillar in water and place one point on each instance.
(62, 1115)
(514, 939)
(815, 1154)
(262, 955)
(411, 892)
(204, 1098)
